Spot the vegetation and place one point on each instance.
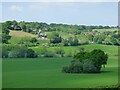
(53, 46)
(17, 51)
(42, 72)
(87, 62)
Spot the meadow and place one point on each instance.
(46, 72)
(25, 55)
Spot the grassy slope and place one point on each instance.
(17, 36)
(103, 30)
(109, 49)
(20, 34)
(46, 73)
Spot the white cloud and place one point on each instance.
(16, 8)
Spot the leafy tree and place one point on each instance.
(4, 51)
(87, 62)
(90, 37)
(88, 66)
(107, 41)
(59, 51)
(75, 42)
(49, 54)
(23, 26)
(5, 33)
(31, 53)
(65, 42)
(33, 40)
(99, 58)
(55, 38)
(75, 67)
(114, 41)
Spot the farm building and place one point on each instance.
(17, 28)
(42, 36)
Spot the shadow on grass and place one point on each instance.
(106, 71)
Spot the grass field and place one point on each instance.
(109, 49)
(46, 73)
(20, 34)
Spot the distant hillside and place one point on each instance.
(21, 34)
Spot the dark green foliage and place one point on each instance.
(114, 41)
(71, 41)
(48, 54)
(5, 33)
(75, 67)
(88, 66)
(87, 62)
(17, 51)
(31, 53)
(33, 40)
(23, 26)
(59, 51)
(4, 51)
(65, 42)
(55, 38)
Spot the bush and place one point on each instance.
(17, 51)
(75, 67)
(87, 62)
(88, 67)
(59, 51)
(31, 53)
(68, 54)
(49, 54)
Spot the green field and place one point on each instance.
(46, 72)
(109, 49)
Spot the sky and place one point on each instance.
(81, 13)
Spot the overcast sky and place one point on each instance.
(88, 13)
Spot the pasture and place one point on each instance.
(46, 73)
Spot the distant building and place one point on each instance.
(17, 28)
(42, 36)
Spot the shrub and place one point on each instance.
(31, 53)
(49, 54)
(59, 51)
(87, 62)
(17, 51)
(88, 67)
(75, 67)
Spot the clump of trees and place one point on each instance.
(5, 33)
(87, 62)
(55, 38)
(71, 41)
(17, 51)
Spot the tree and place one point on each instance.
(114, 41)
(75, 42)
(87, 62)
(59, 51)
(23, 26)
(5, 33)
(33, 40)
(31, 53)
(55, 38)
(65, 42)
(88, 66)
(99, 58)
(90, 37)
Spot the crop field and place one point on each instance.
(46, 72)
